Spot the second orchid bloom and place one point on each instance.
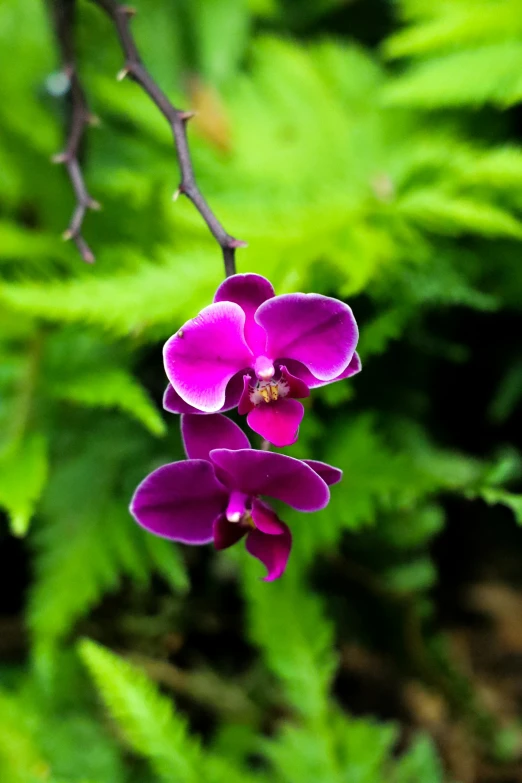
(260, 352)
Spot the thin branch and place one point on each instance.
(80, 118)
(120, 16)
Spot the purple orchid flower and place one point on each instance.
(260, 351)
(215, 494)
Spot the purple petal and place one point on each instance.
(245, 404)
(276, 475)
(316, 330)
(265, 519)
(248, 291)
(180, 501)
(296, 387)
(272, 551)
(227, 533)
(201, 434)
(202, 357)
(173, 403)
(300, 371)
(277, 421)
(328, 473)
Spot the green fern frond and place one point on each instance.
(23, 473)
(456, 26)
(494, 495)
(474, 77)
(148, 721)
(130, 302)
(444, 213)
(289, 625)
(89, 539)
(21, 760)
(115, 388)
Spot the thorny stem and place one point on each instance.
(120, 16)
(64, 14)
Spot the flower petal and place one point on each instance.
(316, 330)
(202, 357)
(328, 473)
(173, 403)
(272, 551)
(301, 372)
(296, 387)
(276, 475)
(248, 291)
(245, 404)
(201, 434)
(180, 501)
(227, 533)
(277, 421)
(265, 519)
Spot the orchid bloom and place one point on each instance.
(260, 351)
(215, 494)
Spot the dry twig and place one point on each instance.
(80, 117)
(120, 16)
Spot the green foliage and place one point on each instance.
(148, 721)
(113, 389)
(464, 53)
(89, 534)
(23, 472)
(334, 162)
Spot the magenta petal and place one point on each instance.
(201, 434)
(173, 403)
(180, 501)
(248, 291)
(316, 330)
(300, 371)
(272, 551)
(296, 387)
(227, 533)
(353, 368)
(328, 473)
(276, 475)
(277, 421)
(265, 519)
(202, 357)
(245, 404)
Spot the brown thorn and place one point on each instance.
(235, 243)
(60, 157)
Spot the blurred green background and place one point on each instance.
(369, 150)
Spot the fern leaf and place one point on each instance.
(454, 215)
(126, 302)
(92, 552)
(457, 27)
(288, 623)
(23, 472)
(21, 760)
(494, 495)
(89, 539)
(113, 389)
(420, 762)
(486, 74)
(147, 719)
